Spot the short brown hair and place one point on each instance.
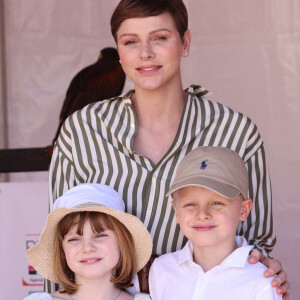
(128, 9)
(123, 272)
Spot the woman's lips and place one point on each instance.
(148, 69)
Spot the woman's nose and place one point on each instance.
(146, 50)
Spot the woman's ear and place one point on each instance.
(187, 37)
(245, 209)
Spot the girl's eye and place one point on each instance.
(74, 239)
(100, 235)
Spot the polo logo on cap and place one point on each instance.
(203, 165)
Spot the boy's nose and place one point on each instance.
(203, 214)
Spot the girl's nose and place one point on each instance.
(88, 246)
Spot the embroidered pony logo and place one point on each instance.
(203, 165)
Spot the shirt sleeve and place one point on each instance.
(152, 282)
(61, 177)
(258, 229)
(268, 293)
(61, 171)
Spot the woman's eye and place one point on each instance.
(127, 43)
(158, 39)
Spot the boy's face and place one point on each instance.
(208, 219)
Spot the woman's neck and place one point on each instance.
(158, 117)
(161, 109)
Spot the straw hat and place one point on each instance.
(87, 197)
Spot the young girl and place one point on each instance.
(90, 246)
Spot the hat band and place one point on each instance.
(88, 204)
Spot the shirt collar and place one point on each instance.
(237, 258)
(186, 253)
(195, 89)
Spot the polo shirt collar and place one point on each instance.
(238, 258)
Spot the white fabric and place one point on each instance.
(176, 276)
(46, 296)
(90, 192)
(38, 296)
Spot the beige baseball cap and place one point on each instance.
(217, 168)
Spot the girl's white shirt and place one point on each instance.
(46, 296)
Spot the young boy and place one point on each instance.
(209, 199)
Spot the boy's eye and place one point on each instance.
(189, 204)
(217, 203)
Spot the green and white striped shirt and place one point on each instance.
(96, 145)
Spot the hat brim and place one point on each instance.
(222, 188)
(41, 255)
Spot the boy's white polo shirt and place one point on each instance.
(176, 276)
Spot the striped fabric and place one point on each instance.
(96, 145)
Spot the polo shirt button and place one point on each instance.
(148, 212)
(131, 125)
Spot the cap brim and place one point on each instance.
(221, 188)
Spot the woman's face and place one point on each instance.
(150, 51)
(92, 255)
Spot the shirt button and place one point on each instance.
(131, 125)
(148, 212)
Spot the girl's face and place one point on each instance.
(92, 255)
(150, 51)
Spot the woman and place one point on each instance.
(135, 142)
(90, 246)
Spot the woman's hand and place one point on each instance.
(274, 268)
